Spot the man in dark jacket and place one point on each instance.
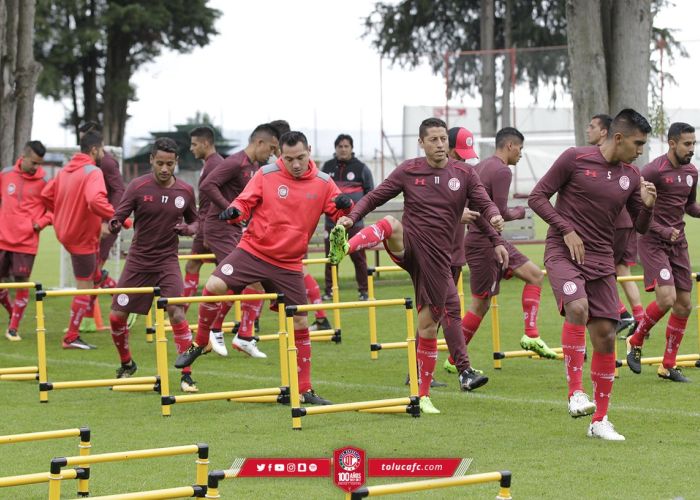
(353, 178)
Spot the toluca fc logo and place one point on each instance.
(179, 202)
(453, 184)
(689, 180)
(11, 188)
(349, 468)
(351, 176)
(282, 191)
(625, 182)
(569, 288)
(122, 299)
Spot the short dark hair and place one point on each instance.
(605, 121)
(165, 144)
(343, 137)
(678, 128)
(430, 123)
(90, 126)
(263, 129)
(90, 139)
(203, 132)
(627, 121)
(37, 147)
(292, 138)
(282, 127)
(508, 132)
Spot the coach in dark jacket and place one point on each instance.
(353, 178)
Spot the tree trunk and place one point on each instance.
(487, 118)
(117, 89)
(507, 65)
(587, 63)
(89, 64)
(8, 65)
(27, 74)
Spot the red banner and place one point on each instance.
(349, 468)
(285, 467)
(413, 467)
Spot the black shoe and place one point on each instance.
(673, 374)
(327, 297)
(624, 323)
(187, 384)
(189, 356)
(470, 380)
(433, 384)
(126, 370)
(634, 358)
(363, 296)
(256, 325)
(626, 331)
(320, 324)
(311, 398)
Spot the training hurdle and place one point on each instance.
(683, 360)
(45, 386)
(331, 335)
(56, 472)
(181, 492)
(503, 477)
(43, 477)
(265, 395)
(18, 373)
(397, 405)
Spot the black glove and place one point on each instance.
(343, 201)
(229, 214)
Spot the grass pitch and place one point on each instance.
(518, 421)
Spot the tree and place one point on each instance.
(18, 76)
(91, 49)
(412, 31)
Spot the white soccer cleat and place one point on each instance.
(580, 405)
(603, 429)
(248, 347)
(217, 342)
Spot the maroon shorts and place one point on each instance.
(625, 246)
(221, 238)
(240, 269)
(169, 279)
(199, 247)
(485, 273)
(665, 264)
(434, 287)
(15, 264)
(84, 266)
(570, 281)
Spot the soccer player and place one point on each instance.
(625, 247)
(222, 186)
(78, 198)
(203, 147)
(163, 207)
(664, 250)
(485, 274)
(22, 216)
(272, 247)
(115, 190)
(592, 185)
(436, 192)
(353, 178)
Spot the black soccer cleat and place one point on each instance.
(320, 324)
(470, 380)
(634, 357)
(673, 374)
(189, 356)
(126, 370)
(311, 398)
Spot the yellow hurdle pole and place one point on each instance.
(22, 284)
(495, 332)
(100, 291)
(335, 290)
(219, 298)
(41, 346)
(294, 399)
(19, 370)
(162, 357)
(20, 377)
(697, 304)
(36, 478)
(213, 396)
(197, 256)
(432, 484)
(372, 312)
(237, 311)
(84, 451)
(202, 465)
(121, 456)
(282, 338)
(167, 493)
(356, 406)
(411, 350)
(460, 293)
(149, 326)
(106, 382)
(39, 436)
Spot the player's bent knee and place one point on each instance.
(216, 285)
(577, 311)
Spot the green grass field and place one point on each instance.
(517, 422)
